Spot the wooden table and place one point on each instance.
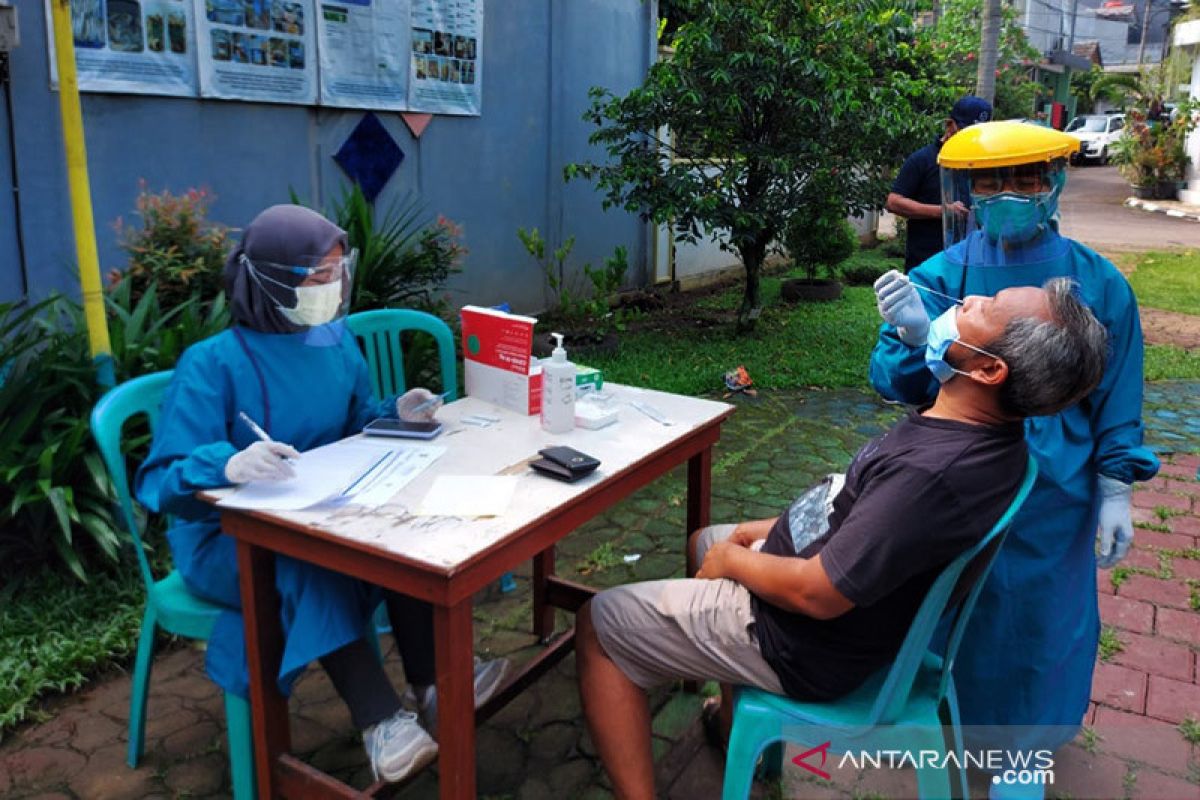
(446, 560)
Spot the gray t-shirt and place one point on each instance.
(914, 499)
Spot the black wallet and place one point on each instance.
(565, 463)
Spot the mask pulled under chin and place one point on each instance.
(315, 305)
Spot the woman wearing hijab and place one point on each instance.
(290, 363)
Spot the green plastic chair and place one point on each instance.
(169, 604)
(901, 707)
(379, 333)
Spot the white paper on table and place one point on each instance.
(468, 496)
(382, 485)
(352, 470)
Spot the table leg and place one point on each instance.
(699, 502)
(543, 612)
(264, 649)
(699, 492)
(454, 650)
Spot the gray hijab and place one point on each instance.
(283, 234)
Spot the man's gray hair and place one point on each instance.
(1052, 363)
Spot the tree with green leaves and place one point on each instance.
(764, 108)
(957, 38)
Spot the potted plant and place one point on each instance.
(818, 238)
(1152, 155)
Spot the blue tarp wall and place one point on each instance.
(492, 174)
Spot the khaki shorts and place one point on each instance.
(660, 631)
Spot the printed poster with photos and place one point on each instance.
(134, 46)
(447, 56)
(364, 53)
(261, 50)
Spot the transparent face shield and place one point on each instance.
(996, 216)
(311, 292)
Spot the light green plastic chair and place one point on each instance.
(169, 604)
(902, 707)
(379, 334)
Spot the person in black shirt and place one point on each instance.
(917, 193)
(811, 605)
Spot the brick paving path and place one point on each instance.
(536, 747)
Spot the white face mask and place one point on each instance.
(315, 305)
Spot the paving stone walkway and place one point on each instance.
(537, 747)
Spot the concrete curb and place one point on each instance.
(1172, 208)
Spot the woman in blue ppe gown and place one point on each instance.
(290, 364)
(1028, 654)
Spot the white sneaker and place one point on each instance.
(489, 677)
(398, 746)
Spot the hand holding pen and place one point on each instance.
(419, 405)
(265, 460)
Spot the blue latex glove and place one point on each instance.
(1115, 533)
(901, 306)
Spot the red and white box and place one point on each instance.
(497, 359)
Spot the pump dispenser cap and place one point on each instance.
(558, 354)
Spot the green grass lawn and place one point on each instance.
(818, 345)
(1168, 363)
(1170, 281)
(822, 345)
(57, 633)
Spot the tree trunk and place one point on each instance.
(752, 258)
(985, 79)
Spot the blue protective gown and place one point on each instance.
(1029, 649)
(305, 389)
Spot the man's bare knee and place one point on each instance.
(694, 542)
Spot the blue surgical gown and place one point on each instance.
(1026, 659)
(306, 389)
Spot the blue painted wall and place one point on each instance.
(492, 174)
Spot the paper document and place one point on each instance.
(360, 471)
(468, 496)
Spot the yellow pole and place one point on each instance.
(81, 193)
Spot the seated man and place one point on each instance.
(813, 611)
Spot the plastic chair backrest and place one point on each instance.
(379, 332)
(141, 395)
(894, 693)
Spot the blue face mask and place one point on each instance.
(943, 332)
(1014, 217)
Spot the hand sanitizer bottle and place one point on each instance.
(558, 390)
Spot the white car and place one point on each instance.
(1096, 133)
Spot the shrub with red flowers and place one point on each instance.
(175, 247)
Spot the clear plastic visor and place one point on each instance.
(284, 284)
(1038, 184)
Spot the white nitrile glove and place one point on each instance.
(1115, 532)
(418, 405)
(261, 461)
(901, 306)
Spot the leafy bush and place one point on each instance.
(175, 247)
(819, 236)
(578, 306)
(55, 497)
(401, 260)
(56, 501)
(862, 269)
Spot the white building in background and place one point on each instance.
(1116, 25)
(1187, 38)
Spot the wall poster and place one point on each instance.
(364, 53)
(260, 50)
(132, 46)
(445, 74)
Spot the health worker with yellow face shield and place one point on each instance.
(1026, 663)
